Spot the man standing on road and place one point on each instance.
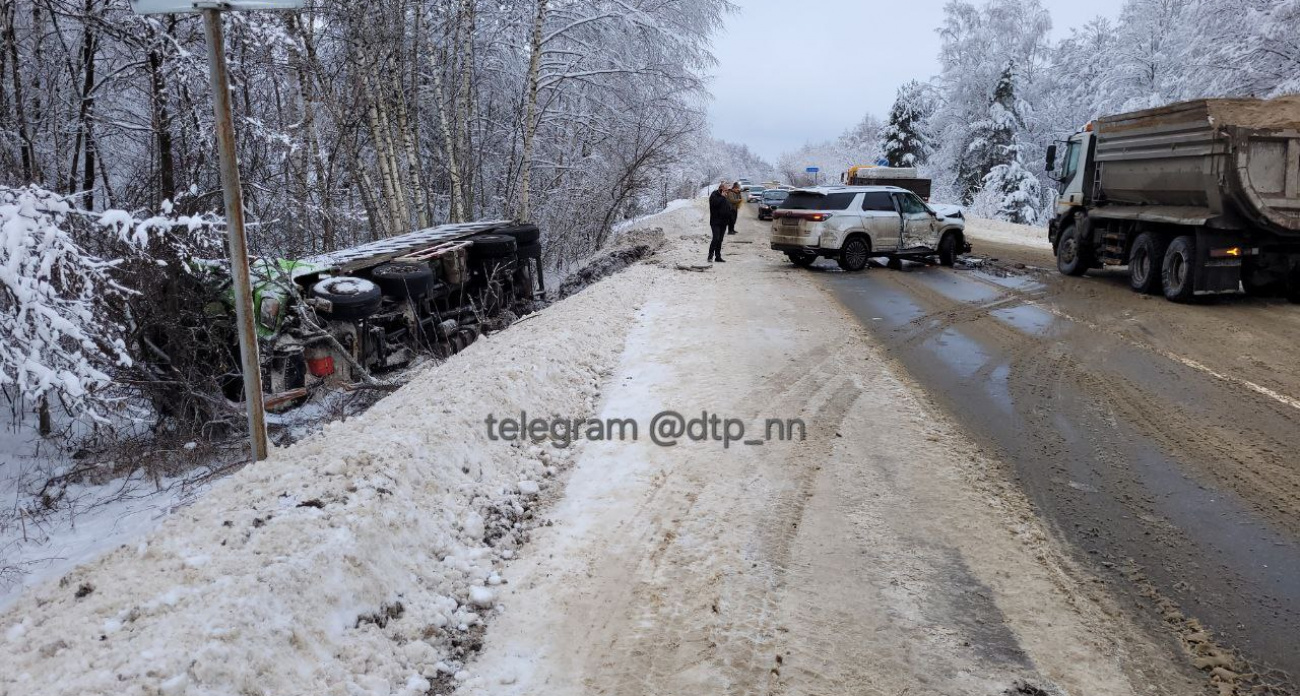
(736, 197)
(720, 216)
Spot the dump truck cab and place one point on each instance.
(1075, 175)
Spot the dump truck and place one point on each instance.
(332, 321)
(902, 177)
(1196, 198)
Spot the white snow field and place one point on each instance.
(405, 553)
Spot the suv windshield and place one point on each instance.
(775, 196)
(803, 200)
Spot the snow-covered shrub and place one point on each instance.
(55, 343)
(74, 325)
(1016, 194)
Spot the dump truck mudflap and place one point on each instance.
(1219, 262)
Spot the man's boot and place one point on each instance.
(719, 259)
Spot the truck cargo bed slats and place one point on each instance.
(387, 249)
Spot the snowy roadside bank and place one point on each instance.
(998, 232)
(359, 561)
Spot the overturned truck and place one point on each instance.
(332, 321)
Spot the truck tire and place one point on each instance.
(1178, 273)
(1073, 257)
(403, 279)
(492, 246)
(801, 260)
(1293, 287)
(948, 249)
(855, 254)
(524, 235)
(351, 299)
(1146, 263)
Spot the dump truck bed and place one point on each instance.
(383, 250)
(1226, 162)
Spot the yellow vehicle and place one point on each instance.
(902, 177)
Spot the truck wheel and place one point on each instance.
(1179, 270)
(1145, 261)
(801, 260)
(403, 279)
(524, 235)
(352, 299)
(1073, 258)
(492, 246)
(1293, 287)
(854, 255)
(948, 249)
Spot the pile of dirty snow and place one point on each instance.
(360, 561)
(999, 232)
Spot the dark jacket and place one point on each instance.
(719, 209)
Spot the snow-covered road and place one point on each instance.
(884, 555)
(407, 552)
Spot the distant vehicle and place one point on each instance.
(1196, 198)
(852, 224)
(903, 177)
(772, 199)
(755, 193)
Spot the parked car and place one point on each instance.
(755, 193)
(852, 224)
(772, 199)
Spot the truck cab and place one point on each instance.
(1075, 177)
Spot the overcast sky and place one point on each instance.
(797, 71)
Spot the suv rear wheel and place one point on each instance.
(855, 253)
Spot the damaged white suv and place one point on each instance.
(852, 224)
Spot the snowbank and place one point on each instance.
(1007, 233)
(359, 561)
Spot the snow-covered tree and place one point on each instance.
(905, 141)
(992, 139)
(56, 343)
(1016, 194)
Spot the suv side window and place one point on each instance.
(877, 201)
(910, 204)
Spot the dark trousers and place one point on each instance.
(735, 215)
(715, 247)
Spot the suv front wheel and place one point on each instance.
(854, 254)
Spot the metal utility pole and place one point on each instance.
(250, 363)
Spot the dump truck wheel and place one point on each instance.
(1293, 287)
(352, 299)
(1072, 253)
(1179, 270)
(855, 254)
(403, 279)
(492, 246)
(1145, 264)
(524, 235)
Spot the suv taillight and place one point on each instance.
(800, 215)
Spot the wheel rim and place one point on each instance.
(1177, 270)
(1141, 266)
(856, 254)
(1069, 250)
